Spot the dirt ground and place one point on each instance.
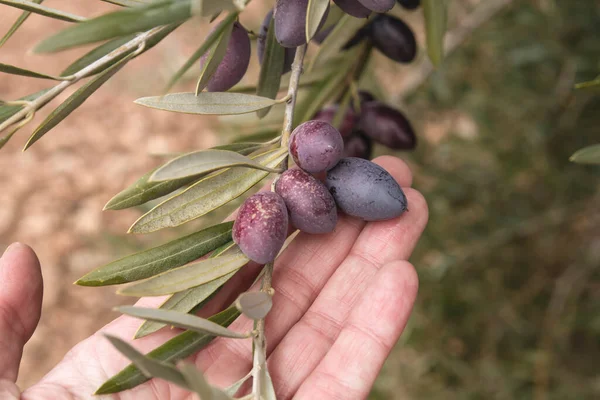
(52, 195)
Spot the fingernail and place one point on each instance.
(11, 248)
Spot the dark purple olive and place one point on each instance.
(387, 126)
(353, 7)
(358, 145)
(379, 6)
(290, 22)
(262, 42)
(234, 65)
(260, 227)
(327, 114)
(311, 206)
(365, 190)
(322, 34)
(409, 4)
(394, 39)
(316, 146)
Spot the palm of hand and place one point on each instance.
(341, 302)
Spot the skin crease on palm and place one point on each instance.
(341, 302)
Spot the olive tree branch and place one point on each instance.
(260, 341)
(44, 99)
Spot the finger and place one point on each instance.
(300, 274)
(349, 369)
(311, 338)
(21, 291)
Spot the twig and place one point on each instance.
(41, 101)
(260, 341)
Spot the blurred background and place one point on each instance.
(509, 300)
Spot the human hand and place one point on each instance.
(341, 302)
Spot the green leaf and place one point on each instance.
(209, 8)
(178, 348)
(243, 148)
(261, 135)
(234, 387)
(74, 101)
(332, 46)
(315, 11)
(22, 18)
(215, 55)
(206, 45)
(117, 24)
(254, 305)
(207, 103)
(271, 69)
(181, 320)
(159, 259)
(435, 27)
(198, 384)
(186, 277)
(202, 162)
(587, 155)
(593, 84)
(128, 3)
(96, 54)
(11, 69)
(36, 8)
(7, 111)
(149, 367)
(206, 195)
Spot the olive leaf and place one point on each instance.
(37, 8)
(181, 320)
(159, 259)
(254, 305)
(7, 111)
(271, 69)
(74, 101)
(215, 55)
(268, 389)
(587, 155)
(117, 24)
(206, 45)
(22, 18)
(234, 387)
(202, 162)
(128, 3)
(11, 69)
(315, 11)
(198, 384)
(593, 84)
(206, 195)
(149, 367)
(208, 8)
(193, 299)
(178, 348)
(207, 103)
(435, 28)
(186, 277)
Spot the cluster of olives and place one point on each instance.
(356, 186)
(390, 35)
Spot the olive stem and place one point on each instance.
(292, 92)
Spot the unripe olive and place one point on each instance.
(234, 65)
(316, 146)
(261, 226)
(311, 206)
(358, 145)
(379, 6)
(409, 4)
(392, 37)
(290, 22)
(327, 114)
(262, 42)
(387, 126)
(365, 190)
(353, 7)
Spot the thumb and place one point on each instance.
(21, 291)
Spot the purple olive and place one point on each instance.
(262, 42)
(363, 189)
(394, 39)
(261, 226)
(353, 7)
(358, 145)
(290, 22)
(327, 114)
(387, 126)
(316, 146)
(311, 206)
(379, 6)
(234, 65)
